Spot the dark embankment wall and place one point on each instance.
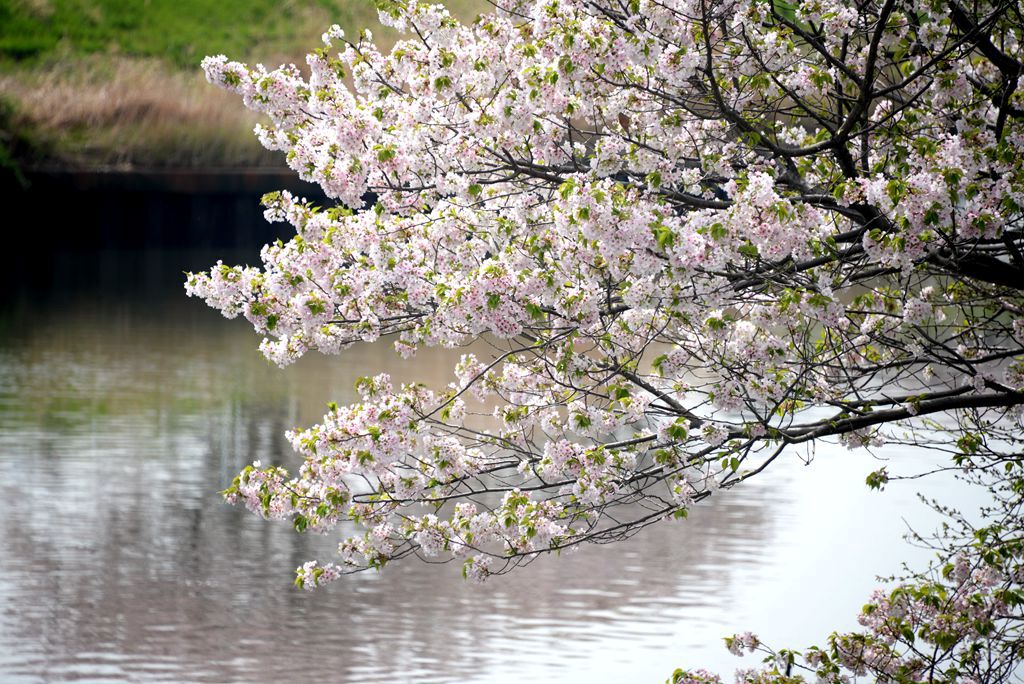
(150, 209)
(133, 232)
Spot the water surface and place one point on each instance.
(125, 407)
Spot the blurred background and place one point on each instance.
(125, 407)
(116, 83)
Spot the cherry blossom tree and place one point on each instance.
(693, 238)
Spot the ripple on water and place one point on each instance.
(119, 561)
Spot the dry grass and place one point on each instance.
(118, 111)
(38, 8)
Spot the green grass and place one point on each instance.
(180, 32)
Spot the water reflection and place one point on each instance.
(120, 417)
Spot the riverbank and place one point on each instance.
(100, 84)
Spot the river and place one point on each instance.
(125, 407)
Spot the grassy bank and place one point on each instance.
(100, 83)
